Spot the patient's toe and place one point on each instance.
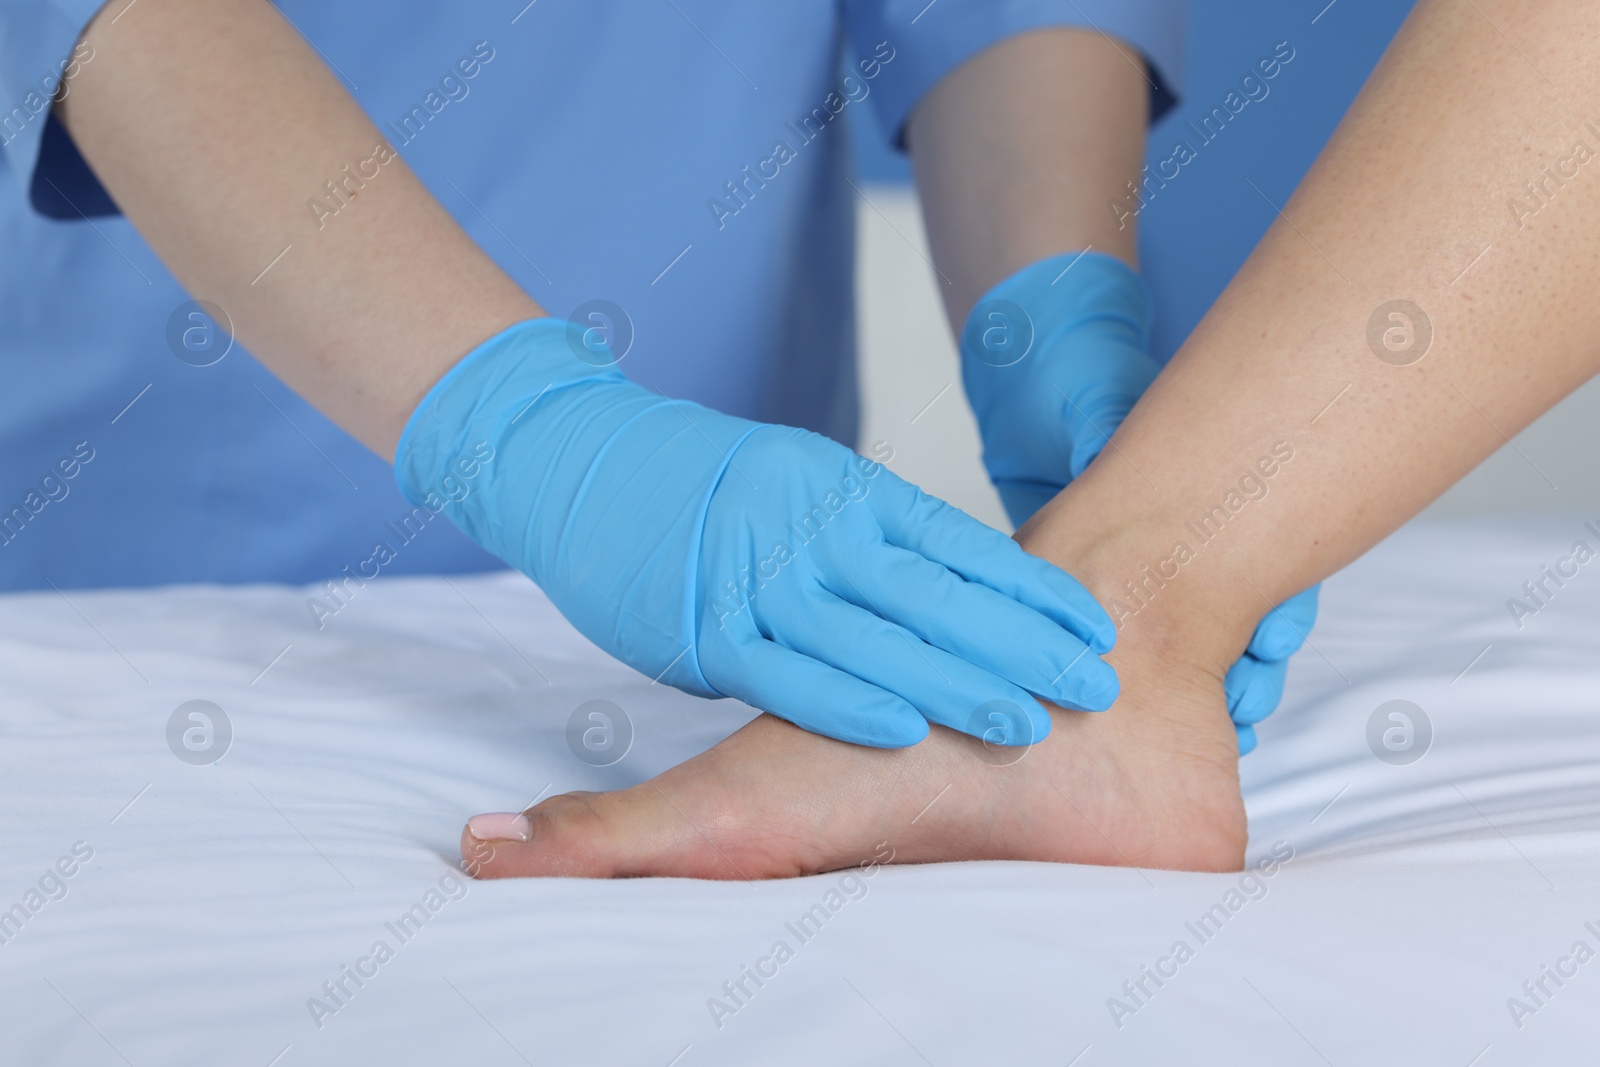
(593, 835)
(565, 835)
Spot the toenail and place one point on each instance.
(500, 826)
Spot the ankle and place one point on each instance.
(1169, 602)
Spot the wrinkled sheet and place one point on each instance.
(217, 899)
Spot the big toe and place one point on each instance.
(565, 836)
(632, 833)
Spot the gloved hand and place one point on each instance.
(731, 558)
(1053, 359)
(1255, 683)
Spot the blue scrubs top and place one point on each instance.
(684, 160)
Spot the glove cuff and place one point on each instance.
(1056, 292)
(532, 357)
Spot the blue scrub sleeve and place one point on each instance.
(906, 46)
(39, 54)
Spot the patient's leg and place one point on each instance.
(1289, 435)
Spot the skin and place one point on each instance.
(1411, 189)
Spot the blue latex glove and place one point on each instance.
(1053, 359)
(731, 558)
(1255, 683)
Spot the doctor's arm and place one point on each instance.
(212, 125)
(1018, 151)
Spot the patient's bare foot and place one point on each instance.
(1152, 782)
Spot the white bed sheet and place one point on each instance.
(219, 898)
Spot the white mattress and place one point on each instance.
(219, 898)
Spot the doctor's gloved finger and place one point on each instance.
(1247, 739)
(931, 528)
(1284, 630)
(817, 697)
(977, 624)
(946, 689)
(1254, 687)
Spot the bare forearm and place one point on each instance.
(1018, 152)
(1409, 202)
(212, 124)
